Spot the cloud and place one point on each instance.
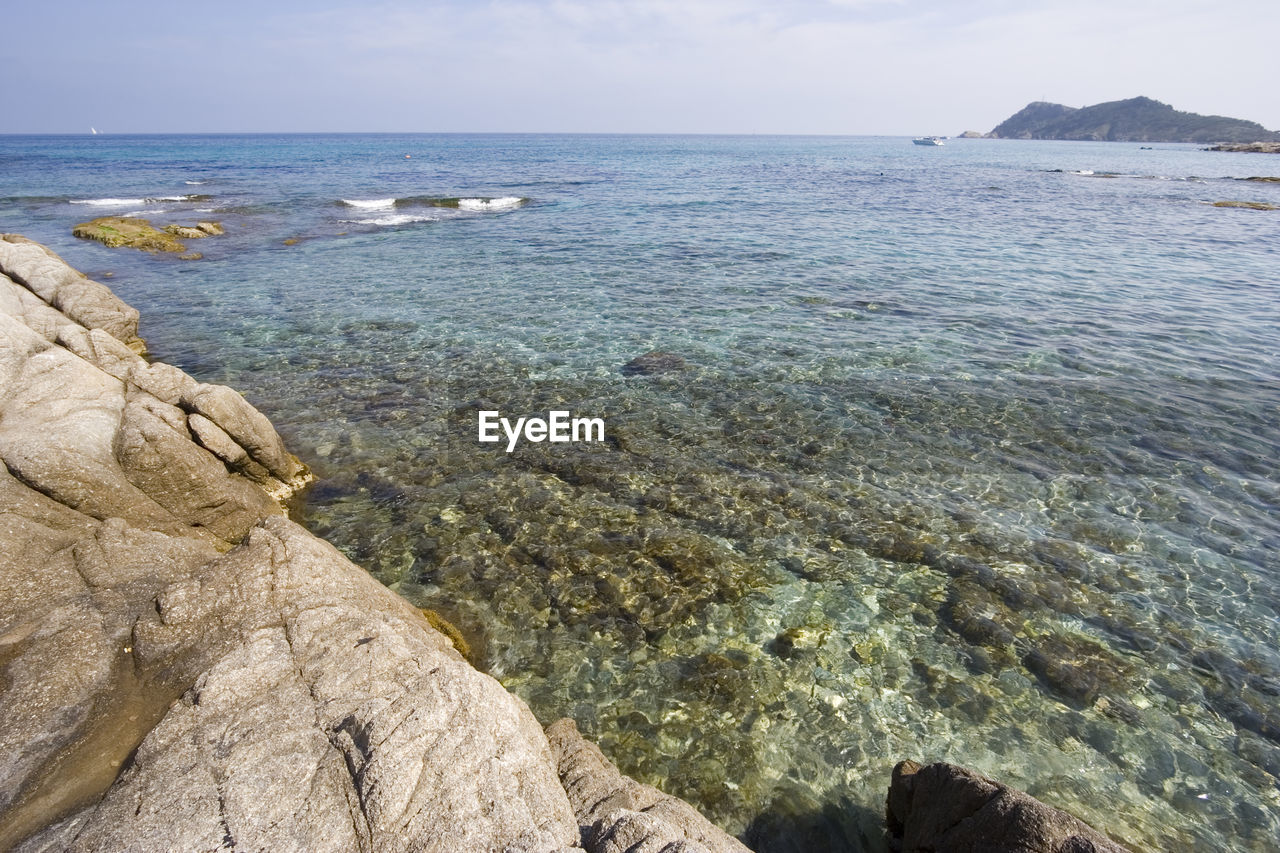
(821, 66)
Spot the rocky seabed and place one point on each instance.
(185, 668)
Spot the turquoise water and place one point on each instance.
(971, 456)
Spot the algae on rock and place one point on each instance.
(136, 233)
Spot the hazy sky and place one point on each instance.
(700, 66)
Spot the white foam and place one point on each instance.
(126, 202)
(110, 202)
(504, 203)
(396, 219)
(371, 204)
(195, 183)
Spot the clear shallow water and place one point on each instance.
(973, 459)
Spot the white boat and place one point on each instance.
(928, 140)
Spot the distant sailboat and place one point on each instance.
(94, 131)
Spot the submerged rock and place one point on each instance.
(945, 807)
(652, 363)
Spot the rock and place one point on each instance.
(245, 425)
(621, 814)
(1251, 205)
(129, 231)
(186, 233)
(215, 439)
(213, 229)
(61, 420)
(1248, 147)
(315, 698)
(945, 807)
(69, 292)
(653, 362)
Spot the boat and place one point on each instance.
(928, 140)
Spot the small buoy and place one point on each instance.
(406, 156)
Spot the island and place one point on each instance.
(1138, 119)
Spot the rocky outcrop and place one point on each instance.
(1249, 148)
(136, 233)
(52, 295)
(944, 807)
(185, 668)
(1248, 205)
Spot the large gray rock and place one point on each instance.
(86, 302)
(322, 713)
(945, 807)
(186, 669)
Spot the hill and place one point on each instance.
(1134, 120)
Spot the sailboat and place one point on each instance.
(93, 130)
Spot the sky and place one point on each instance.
(893, 67)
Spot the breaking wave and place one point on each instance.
(471, 203)
(134, 202)
(504, 203)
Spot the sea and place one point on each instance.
(966, 453)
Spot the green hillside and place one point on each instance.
(1133, 120)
